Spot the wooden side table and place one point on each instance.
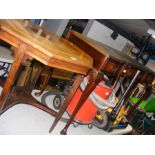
(32, 42)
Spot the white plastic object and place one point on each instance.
(99, 102)
(5, 55)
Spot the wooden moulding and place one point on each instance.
(68, 66)
(53, 62)
(9, 39)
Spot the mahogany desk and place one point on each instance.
(32, 43)
(105, 59)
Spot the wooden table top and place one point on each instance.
(105, 50)
(55, 48)
(121, 56)
(112, 53)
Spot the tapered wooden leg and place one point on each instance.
(71, 93)
(94, 80)
(11, 76)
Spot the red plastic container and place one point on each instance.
(88, 110)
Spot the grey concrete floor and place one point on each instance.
(27, 120)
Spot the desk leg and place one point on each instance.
(71, 92)
(94, 80)
(12, 74)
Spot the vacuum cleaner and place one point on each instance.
(100, 100)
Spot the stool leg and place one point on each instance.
(93, 82)
(72, 91)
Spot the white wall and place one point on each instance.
(101, 33)
(56, 25)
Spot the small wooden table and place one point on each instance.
(105, 59)
(32, 42)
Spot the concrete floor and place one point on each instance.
(27, 120)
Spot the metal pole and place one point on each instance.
(120, 103)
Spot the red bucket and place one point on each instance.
(88, 111)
